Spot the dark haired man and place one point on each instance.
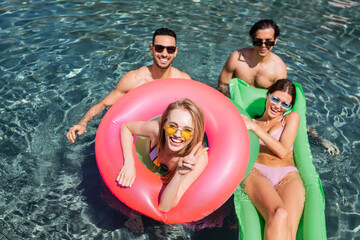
(261, 68)
(257, 66)
(164, 50)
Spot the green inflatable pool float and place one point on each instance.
(251, 102)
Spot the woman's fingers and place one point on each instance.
(196, 148)
(189, 165)
(244, 116)
(201, 152)
(191, 158)
(130, 182)
(124, 180)
(120, 178)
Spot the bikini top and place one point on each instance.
(154, 158)
(276, 135)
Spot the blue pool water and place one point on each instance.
(57, 58)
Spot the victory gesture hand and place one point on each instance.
(187, 163)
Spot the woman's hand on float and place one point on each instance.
(249, 124)
(187, 163)
(126, 175)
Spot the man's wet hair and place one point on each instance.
(264, 24)
(164, 32)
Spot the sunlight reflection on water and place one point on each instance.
(60, 57)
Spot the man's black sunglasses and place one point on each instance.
(160, 49)
(260, 42)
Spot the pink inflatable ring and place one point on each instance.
(228, 149)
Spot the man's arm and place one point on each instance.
(227, 73)
(94, 111)
(281, 71)
(126, 83)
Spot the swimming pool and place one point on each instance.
(60, 57)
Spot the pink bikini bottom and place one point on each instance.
(274, 174)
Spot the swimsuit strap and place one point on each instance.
(164, 170)
(282, 122)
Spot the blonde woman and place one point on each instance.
(177, 142)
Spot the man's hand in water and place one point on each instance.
(330, 148)
(79, 128)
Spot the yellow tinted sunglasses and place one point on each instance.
(171, 129)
